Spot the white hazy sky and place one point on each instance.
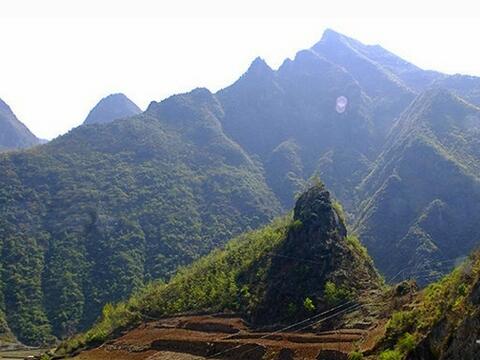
(59, 57)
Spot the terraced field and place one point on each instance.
(224, 337)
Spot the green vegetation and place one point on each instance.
(336, 294)
(99, 212)
(214, 283)
(432, 152)
(406, 343)
(308, 304)
(296, 225)
(257, 275)
(339, 210)
(96, 214)
(446, 300)
(390, 355)
(356, 245)
(355, 355)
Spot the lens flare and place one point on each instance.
(341, 104)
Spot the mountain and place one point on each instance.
(110, 108)
(377, 69)
(282, 273)
(291, 115)
(291, 119)
(398, 121)
(13, 133)
(419, 199)
(101, 211)
(98, 212)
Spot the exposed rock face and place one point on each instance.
(316, 251)
(112, 107)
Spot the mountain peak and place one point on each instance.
(330, 34)
(259, 67)
(112, 107)
(314, 210)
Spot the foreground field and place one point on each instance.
(224, 337)
(21, 354)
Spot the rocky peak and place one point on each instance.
(331, 35)
(316, 251)
(259, 64)
(315, 211)
(259, 69)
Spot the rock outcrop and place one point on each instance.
(317, 265)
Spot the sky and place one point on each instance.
(60, 57)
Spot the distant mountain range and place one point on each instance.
(110, 108)
(111, 205)
(13, 133)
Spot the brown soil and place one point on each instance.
(220, 337)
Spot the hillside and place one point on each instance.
(400, 322)
(441, 322)
(110, 108)
(289, 120)
(98, 212)
(281, 274)
(13, 133)
(419, 199)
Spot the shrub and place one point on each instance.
(390, 355)
(400, 323)
(356, 245)
(406, 343)
(335, 294)
(339, 210)
(355, 355)
(309, 305)
(295, 225)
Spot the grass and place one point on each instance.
(210, 284)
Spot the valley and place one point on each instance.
(260, 221)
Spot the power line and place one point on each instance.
(285, 328)
(353, 307)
